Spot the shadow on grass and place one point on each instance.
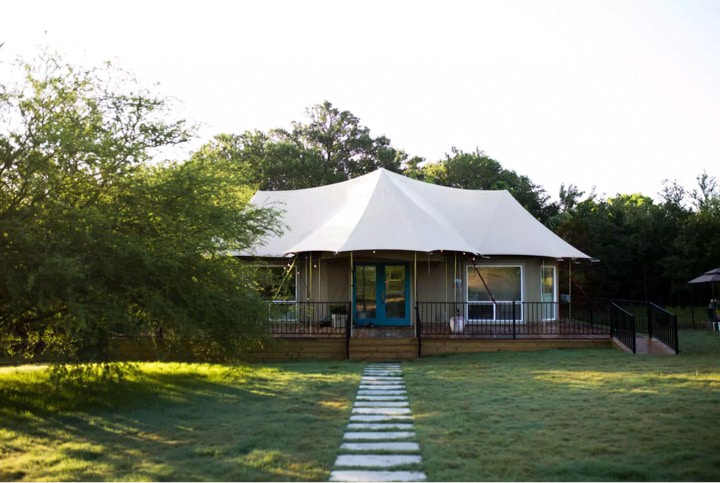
(179, 422)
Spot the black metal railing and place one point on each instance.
(308, 318)
(510, 319)
(652, 320)
(662, 325)
(622, 326)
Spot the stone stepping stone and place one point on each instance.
(380, 426)
(384, 446)
(381, 411)
(381, 398)
(374, 418)
(378, 435)
(376, 392)
(368, 475)
(381, 387)
(381, 404)
(379, 475)
(380, 382)
(376, 460)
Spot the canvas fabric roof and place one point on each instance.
(387, 211)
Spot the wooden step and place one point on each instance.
(379, 349)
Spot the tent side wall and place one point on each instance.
(326, 277)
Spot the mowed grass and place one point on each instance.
(563, 415)
(570, 415)
(177, 422)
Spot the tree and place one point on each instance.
(346, 148)
(95, 242)
(330, 147)
(477, 171)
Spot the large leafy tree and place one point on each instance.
(345, 146)
(329, 147)
(94, 241)
(648, 250)
(475, 170)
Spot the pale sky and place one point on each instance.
(617, 95)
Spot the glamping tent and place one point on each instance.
(382, 243)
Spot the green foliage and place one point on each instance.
(477, 171)
(331, 146)
(647, 250)
(95, 242)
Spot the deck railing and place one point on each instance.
(651, 320)
(308, 318)
(662, 325)
(509, 319)
(622, 326)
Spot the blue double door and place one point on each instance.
(380, 295)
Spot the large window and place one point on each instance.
(504, 282)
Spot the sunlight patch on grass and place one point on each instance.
(629, 380)
(22, 368)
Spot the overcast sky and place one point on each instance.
(619, 95)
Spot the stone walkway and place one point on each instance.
(379, 441)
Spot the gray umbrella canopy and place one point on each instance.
(711, 276)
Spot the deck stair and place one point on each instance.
(383, 349)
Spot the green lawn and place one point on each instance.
(571, 415)
(177, 422)
(553, 415)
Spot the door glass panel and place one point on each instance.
(394, 291)
(366, 292)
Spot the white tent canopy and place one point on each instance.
(387, 211)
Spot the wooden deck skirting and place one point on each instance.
(376, 348)
(371, 348)
(441, 345)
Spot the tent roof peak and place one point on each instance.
(383, 210)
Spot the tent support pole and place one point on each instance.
(455, 287)
(570, 288)
(418, 322)
(446, 277)
(415, 275)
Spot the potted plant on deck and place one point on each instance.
(339, 315)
